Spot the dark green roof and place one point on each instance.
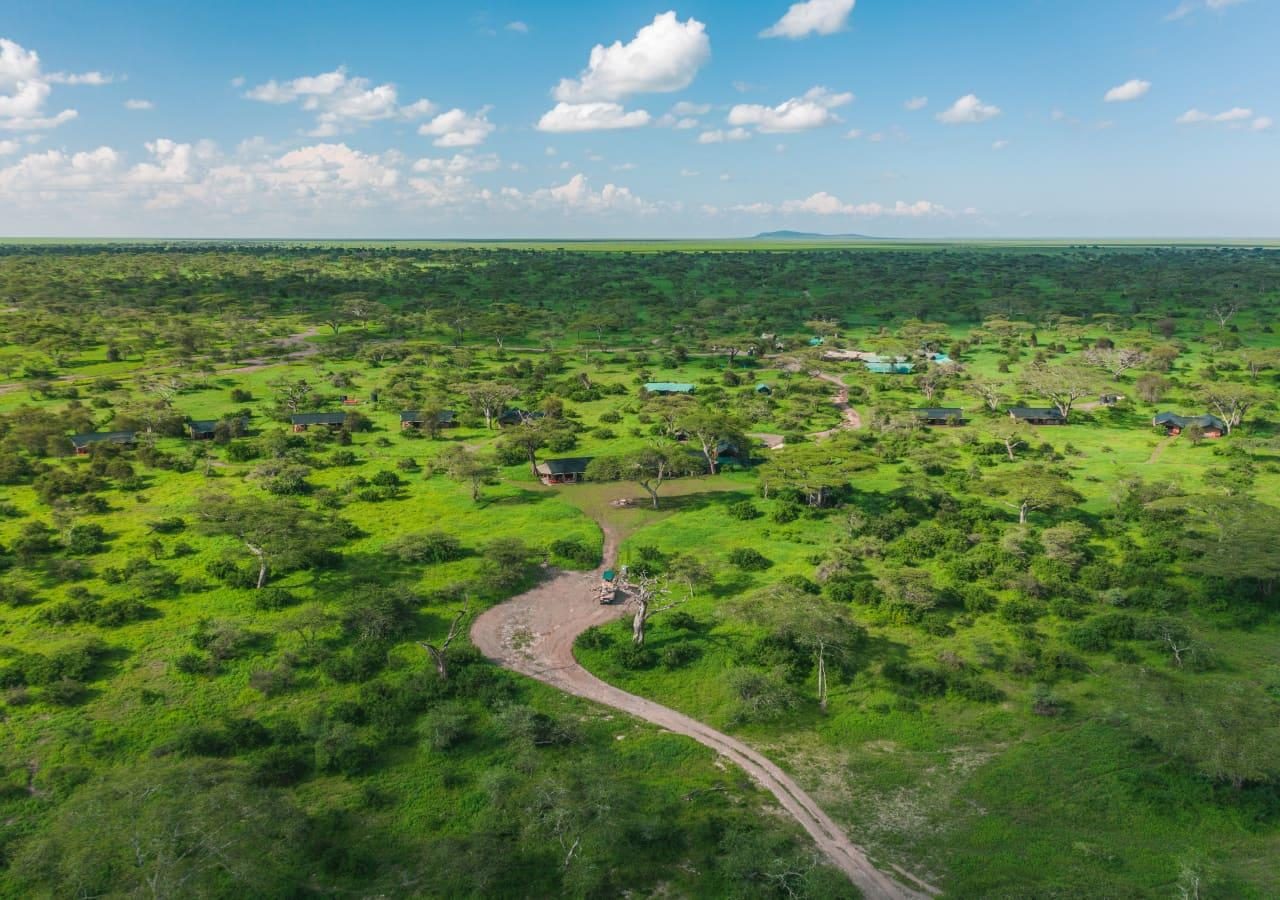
(575, 465)
(939, 412)
(103, 437)
(205, 426)
(1035, 412)
(1204, 421)
(319, 418)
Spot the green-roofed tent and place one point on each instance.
(669, 387)
(303, 421)
(890, 368)
(1037, 415)
(564, 471)
(82, 442)
(940, 415)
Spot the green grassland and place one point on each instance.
(1020, 725)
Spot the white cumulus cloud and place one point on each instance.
(569, 117)
(137, 104)
(968, 110)
(25, 88)
(459, 164)
(664, 56)
(1232, 116)
(813, 110)
(811, 17)
(1132, 89)
(457, 128)
(576, 195)
(339, 101)
(720, 136)
(916, 103)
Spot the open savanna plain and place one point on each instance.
(1016, 660)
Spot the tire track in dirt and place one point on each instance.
(534, 633)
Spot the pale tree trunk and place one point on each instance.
(262, 563)
(1022, 513)
(652, 491)
(710, 457)
(638, 622)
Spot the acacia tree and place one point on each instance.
(1258, 361)
(816, 471)
(489, 398)
(280, 536)
(1033, 488)
(1231, 538)
(1115, 360)
(933, 380)
(1063, 385)
(168, 828)
(1224, 311)
(531, 436)
(808, 621)
(1230, 401)
(1013, 435)
(467, 467)
(712, 428)
(291, 395)
(649, 467)
(670, 410)
(991, 393)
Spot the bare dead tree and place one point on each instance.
(644, 592)
(439, 653)
(1224, 312)
(1179, 644)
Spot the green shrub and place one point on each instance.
(575, 551)
(749, 559)
(426, 547)
(674, 656)
(273, 598)
(630, 656)
(744, 511)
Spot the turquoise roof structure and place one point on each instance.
(669, 387)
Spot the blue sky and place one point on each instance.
(913, 118)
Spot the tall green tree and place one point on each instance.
(280, 536)
(649, 467)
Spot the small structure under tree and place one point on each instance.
(331, 420)
(572, 470)
(1037, 415)
(83, 443)
(418, 419)
(1210, 425)
(940, 415)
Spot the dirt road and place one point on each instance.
(534, 633)
(840, 401)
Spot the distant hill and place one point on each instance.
(809, 236)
